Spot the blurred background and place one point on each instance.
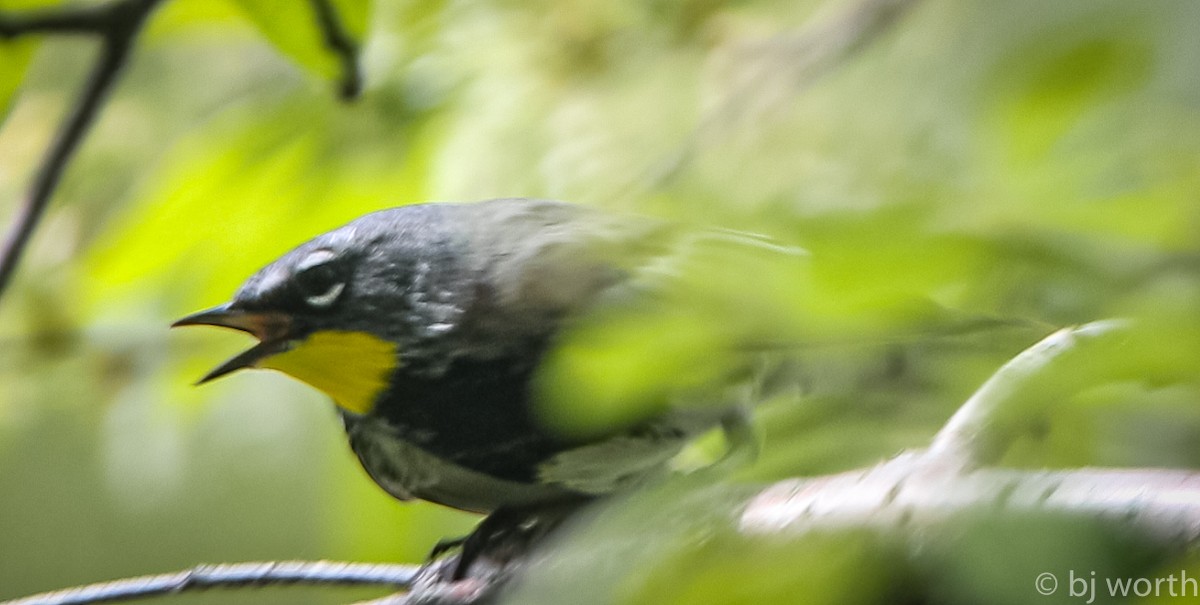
(966, 178)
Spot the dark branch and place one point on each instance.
(81, 20)
(342, 44)
(230, 576)
(118, 24)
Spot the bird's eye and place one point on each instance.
(319, 279)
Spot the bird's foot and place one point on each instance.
(444, 546)
(499, 540)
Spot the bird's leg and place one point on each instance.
(486, 538)
(509, 532)
(445, 545)
(743, 442)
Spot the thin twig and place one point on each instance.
(772, 72)
(118, 23)
(461, 592)
(342, 44)
(230, 576)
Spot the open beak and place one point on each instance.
(271, 329)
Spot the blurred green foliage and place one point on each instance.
(971, 179)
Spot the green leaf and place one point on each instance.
(354, 16)
(294, 29)
(14, 60)
(1053, 94)
(15, 54)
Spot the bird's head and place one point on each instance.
(336, 311)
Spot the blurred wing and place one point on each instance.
(545, 259)
(539, 261)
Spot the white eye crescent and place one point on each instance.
(326, 299)
(317, 276)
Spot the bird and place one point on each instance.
(429, 325)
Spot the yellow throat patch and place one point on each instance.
(351, 367)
